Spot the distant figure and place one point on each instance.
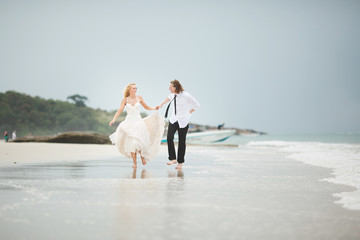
(184, 106)
(14, 135)
(136, 135)
(220, 126)
(6, 136)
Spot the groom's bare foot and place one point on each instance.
(179, 166)
(143, 160)
(171, 162)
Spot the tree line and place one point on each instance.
(37, 116)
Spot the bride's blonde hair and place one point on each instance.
(127, 89)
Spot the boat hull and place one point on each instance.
(205, 137)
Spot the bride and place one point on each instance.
(136, 135)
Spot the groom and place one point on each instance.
(184, 105)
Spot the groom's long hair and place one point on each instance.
(177, 85)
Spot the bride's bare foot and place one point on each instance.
(171, 162)
(143, 160)
(179, 166)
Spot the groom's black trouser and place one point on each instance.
(182, 141)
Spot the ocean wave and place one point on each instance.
(344, 159)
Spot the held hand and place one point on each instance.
(111, 122)
(157, 107)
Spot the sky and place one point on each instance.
(282, 67)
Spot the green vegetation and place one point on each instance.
(79, 100)
(37, 116)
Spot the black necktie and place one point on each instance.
(167, 109)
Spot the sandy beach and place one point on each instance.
(26, 153)
(79, 191)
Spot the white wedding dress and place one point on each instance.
(135, 134)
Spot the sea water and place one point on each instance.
(339, 152)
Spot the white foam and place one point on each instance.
(344, 159)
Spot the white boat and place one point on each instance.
(211, 136)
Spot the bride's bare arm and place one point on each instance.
(145, 105)
(117, 114)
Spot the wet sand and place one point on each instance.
(72, 191)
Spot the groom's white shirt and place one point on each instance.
(184, 103)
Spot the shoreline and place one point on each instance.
(41, 152)
(254, 193)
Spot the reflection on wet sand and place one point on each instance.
(147, 174)
(173, 174)
(175, 185)
(144, 173)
